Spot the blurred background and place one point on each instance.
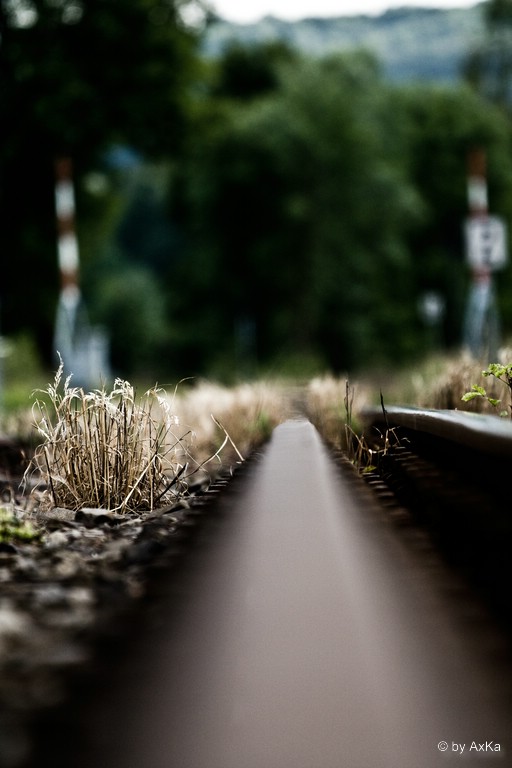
(238, 200)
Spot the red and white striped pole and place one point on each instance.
(83, 350)
(66, 325)
(478, 203)
(477, 183)
(480, 331)
(67, 241)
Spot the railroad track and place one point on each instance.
(302, 630)
(451, 472)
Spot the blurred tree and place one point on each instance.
(488, 68)
(350, 206)
(243, 72)
(135, 246)
(144, 234)
(298, 206)
(317, 213)
(75, 77)
(131, 304)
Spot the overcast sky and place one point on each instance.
(251, 10)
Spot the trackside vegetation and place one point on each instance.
(107, 449)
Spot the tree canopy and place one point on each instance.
(279, 207)
(319, 212)
(76, 77)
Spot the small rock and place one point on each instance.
(57, 514)
(56, 540)
(94, 517)
(51, 595)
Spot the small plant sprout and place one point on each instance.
(106, 449)
(363, 455)
(358, 451)
(502, 373)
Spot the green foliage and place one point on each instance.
(131, 304)
(103, 63)
(299, 223)
(21, 372)
(14, 530)
(502, 373)
(243, 71)
(324, 233)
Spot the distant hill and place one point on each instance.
(427, 44)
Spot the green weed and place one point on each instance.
(502, 373)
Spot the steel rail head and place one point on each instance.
(487, 434)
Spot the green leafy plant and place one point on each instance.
(106, 449)
(13, 529)
(502, 373)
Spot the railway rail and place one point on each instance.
(303, 630)
(451, 471)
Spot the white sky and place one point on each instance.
(245, 11)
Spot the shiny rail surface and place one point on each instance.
(467, 457)
(488, 434)
(451, 470)
(303, 632)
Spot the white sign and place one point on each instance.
(486, 242)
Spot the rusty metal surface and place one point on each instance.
(305, 634)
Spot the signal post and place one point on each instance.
(486, 252)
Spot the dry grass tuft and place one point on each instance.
(110, 451)
(333, 405)
(105, 450)
(246, 414)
